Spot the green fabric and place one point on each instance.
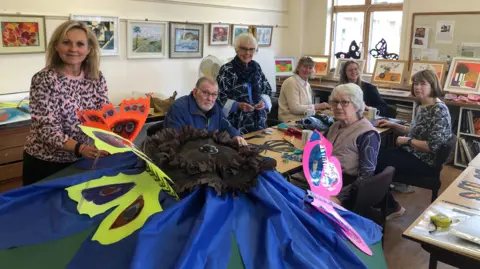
(57, 254)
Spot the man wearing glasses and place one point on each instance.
(200, 110)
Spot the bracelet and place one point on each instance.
(76, 151)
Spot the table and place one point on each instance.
(57, 254)
(475, 162)
(445, 247)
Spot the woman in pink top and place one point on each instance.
(71, 81)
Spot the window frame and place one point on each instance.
(367, 10)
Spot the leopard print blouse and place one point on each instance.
(54, 100)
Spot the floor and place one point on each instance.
(397, 249)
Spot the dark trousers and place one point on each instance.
(405, 164)
(35, 169)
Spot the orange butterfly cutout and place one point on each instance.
(127, 122)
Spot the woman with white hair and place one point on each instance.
(296, 94)
(244, 92)
(354, 139)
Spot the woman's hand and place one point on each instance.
(260, 106)
(402, 140)
(92, 152)
(384, 124)
(245, 107)
(322, 106)
(240, 141)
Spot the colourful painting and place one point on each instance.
(22, 34)
(146, 39)
(284, 66)
(238, 29)
(14, 108)
(186, 40)
(464, 75)
(321, 65)
(106, 31)
(264, 36)
(388, 72)
(437, 67)
(219, 34)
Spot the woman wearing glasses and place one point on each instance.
(295, 100)
(244, 92)
(350, 73)
(355, 141)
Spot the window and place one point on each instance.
(366, 22)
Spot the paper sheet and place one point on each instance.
(444, 33)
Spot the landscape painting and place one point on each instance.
(146, 39)
(186, 40)
(22, 34)
(106, 31)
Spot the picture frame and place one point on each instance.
(463, 76)
(219, 34)
(22, 34)
(321, 65)
(264, 36)
(146, 39)
(438, 68)
(238, 29)
(342, 61)
(186, 40)
(14, 108)
(389, 73)
(106, 29)
(284, 66)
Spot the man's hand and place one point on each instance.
(240, 141)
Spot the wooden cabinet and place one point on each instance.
(12, 140)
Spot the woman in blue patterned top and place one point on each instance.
(428, 132)
(244, 92)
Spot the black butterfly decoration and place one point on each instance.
(380, 51)
(353, 52)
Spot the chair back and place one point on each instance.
(155, 128)
(444, 152)
(372, 191)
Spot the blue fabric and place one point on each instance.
(185, 111)
(272, 225)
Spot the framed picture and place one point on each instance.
(22, 34)
(146, 39)
(284, 66)
(464, 75)
(388, 72)
(186, 40)
(321, 65)
(420, 38)
(106, 29)
(437, 67)
(264, 36)
(14, 107)
(238, 29)
(219, 34)
(342, 61)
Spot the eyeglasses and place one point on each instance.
(335, 103)
(244, 49)
(207, 94)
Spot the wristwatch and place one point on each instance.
(410, 141)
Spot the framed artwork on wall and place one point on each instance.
(342, 61)
(437, 67)
(22, 34)
(106, 29)
(238, 29)
(146, 39)
(284, 66)
(219, 34)
(264, 36)
(186, 40)
(388, 72)
(464, 75)
(321, 65)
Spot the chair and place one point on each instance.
(372, 192)
(272, 118)
(431, 182)
(158, 126)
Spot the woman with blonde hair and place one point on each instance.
(295, 100)
(71, 81)
(244, 91)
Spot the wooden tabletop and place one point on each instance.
(475, 162)
(450, 201)
(283, 167)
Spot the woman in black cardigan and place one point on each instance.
(350, 73)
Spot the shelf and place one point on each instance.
(471, 135)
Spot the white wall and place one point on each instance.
(145, 75)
